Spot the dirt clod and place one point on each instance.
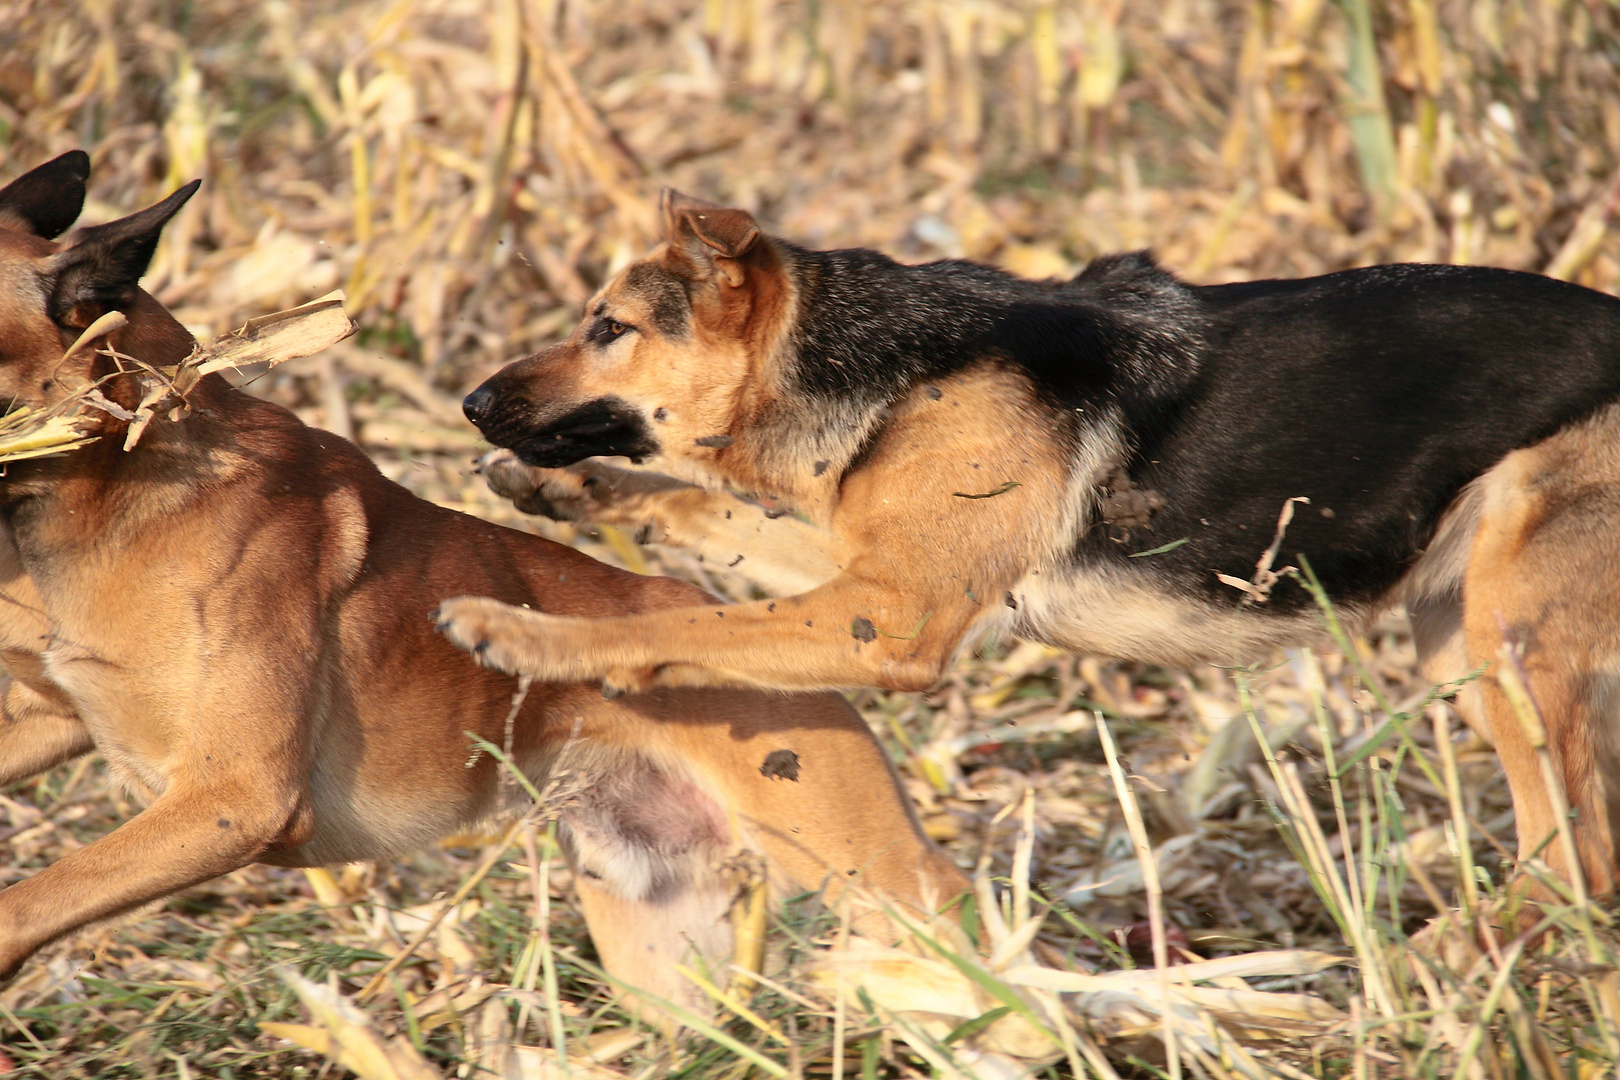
(1125, 505)
(781, 765)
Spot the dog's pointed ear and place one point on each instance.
(100, 269)
(712, 238)
(47, 199)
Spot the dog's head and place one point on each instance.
(665, 360)
(51, 291)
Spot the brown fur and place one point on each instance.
(235, 615)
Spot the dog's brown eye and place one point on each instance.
(605, 330)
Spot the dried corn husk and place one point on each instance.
(30, 433)
(270, 339)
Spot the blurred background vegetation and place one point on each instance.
(471, 170)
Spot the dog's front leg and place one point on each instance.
(591, 491)
(196, 830)
(852, 631)
(35, 734)
(771, 548)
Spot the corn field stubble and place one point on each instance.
(468, 172)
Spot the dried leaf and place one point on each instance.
(349, 1038)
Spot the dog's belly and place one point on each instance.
(1168, 618)
(1095, 610)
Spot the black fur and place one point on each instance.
(666, 296)
(869, 327)
(49, 197)
(1376, 393)
(104, 264)
(605, 427)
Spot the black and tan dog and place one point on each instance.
(1107, 464)
(235, 614)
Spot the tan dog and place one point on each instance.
(235, 614)
(1121, 464)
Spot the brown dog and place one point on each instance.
(1121, 464)
(235, 614)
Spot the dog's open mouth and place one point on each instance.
(606, 427)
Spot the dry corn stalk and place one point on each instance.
(346, 1036)
(30, 433)
(26, 432)
(270, 339)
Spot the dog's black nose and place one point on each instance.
(476, 404)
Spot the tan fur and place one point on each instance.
(1543, 578)
(770, 547)
(235, 615)
(920, 565)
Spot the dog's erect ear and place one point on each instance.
(47, 199)
(711, 237)
(100, 269)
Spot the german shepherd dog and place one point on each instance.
(1119, 464)
(235, 614)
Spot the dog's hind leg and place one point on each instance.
(35, 735)
(645, 840)
(641, 941)
(1442, 653)
(1541, 592)
(675, 797)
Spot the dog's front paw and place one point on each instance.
(618, 682)
(559, 494)
(503, 637)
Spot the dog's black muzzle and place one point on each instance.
(606, 427)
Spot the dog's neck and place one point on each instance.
(867, 331)
(850, 348)
(87, 493)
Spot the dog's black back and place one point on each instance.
(1377, 393)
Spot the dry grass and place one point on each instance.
(470, 171)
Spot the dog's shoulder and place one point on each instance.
(1128, 274)
(1132, 331)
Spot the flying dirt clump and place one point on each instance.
(1124, 505)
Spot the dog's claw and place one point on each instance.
(612, 692)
